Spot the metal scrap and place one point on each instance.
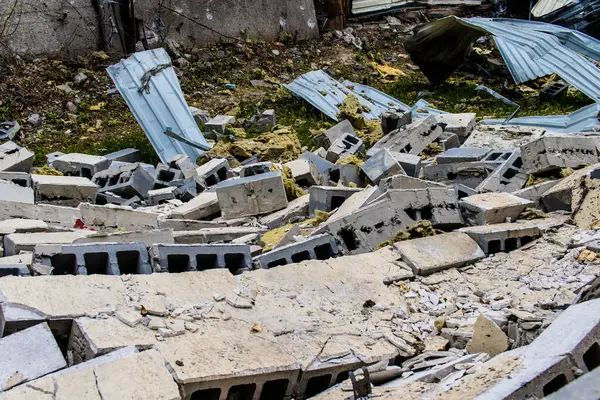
(148, 83)
(530, 50)
(579, 15)
(503, 99)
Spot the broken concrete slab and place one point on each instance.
(555, 151)
(256, 195)
(436, 253)
(27, 355)
(487, 338)
(148, 237)
(114, 217)
(58, 215)
(407, 182)
(17, 242)
(535, 192)
(560, 196)
(19, 225)
(22, 179)
(9, 192)
(63, 188)
(126, 155)
(210, 235)
(492, 208)
(14, 158)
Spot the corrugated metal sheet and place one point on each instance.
(161, 107)
(327, 95)
(375, 6)
(580, 121)
(544, 7)
(577, 14)
(530, 50)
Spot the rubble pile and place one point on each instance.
(417, 252)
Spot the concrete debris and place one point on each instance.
(450, 258)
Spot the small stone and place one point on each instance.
(156, 324)
(191, 327)
(34, 119)
(177, 326)
(65, 88)
(80, 78)
(436, 343)
(487, 338)
(276, 52)
(238, 302)
(218, 297)
(71, 107)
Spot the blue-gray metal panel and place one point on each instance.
(382, 100)
(581, 120)
(163, 108)
(327, 94)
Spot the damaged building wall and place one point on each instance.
(74, 27)
(199, 22)
(50, 27)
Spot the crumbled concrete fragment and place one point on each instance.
(336, 132)
(217, 126)
(9, 192)
(295, 210)
(460, 124)
(49, 188)
(20, 225)
(435, 253)
(382, 165)
(305, 173)
(204, 205)
(14, 158)
(412, 138)
(27, 355)
(487, 338)
(84, 165)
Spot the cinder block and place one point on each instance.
(212, 235)
(115, 217)
(535, 192)
(320, 247)
(17, 242)
(111, 198)
(213, 172)
(10, 192)
(256, 169)
(216, 127)
(392, 120)
(14, 270)
(576, 333)
(409, 162)
(321, 163)
(357, 201)
(336, 132)
(52, 156)
(204, 205)
(185, 165)
(27, 355)
(264, 122)
(437, 253)
(200, 116)
(470, 174)
(448, 141)
(381, 165)
(22, 179)
(166, 177)
(103, 259)
(328, 198)
(84, 165)
(462, 154)
(584, 387)
(127, 182)
(412, 138)
(508, 177)
(460, 124)
(161, 196)
(63, 188)
(125, 155)
(554, 151)
(345, 146)
(492, 208)
(503, 237)
(368, 227)
(304, 172)
(343, 174)
(256, 195)
(200, 257)
(407, 182)
(14, 158)
(295, 210)
(554, 91)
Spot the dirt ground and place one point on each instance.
(89, 117)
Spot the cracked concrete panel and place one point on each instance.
(141, 376)
(62, 297)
